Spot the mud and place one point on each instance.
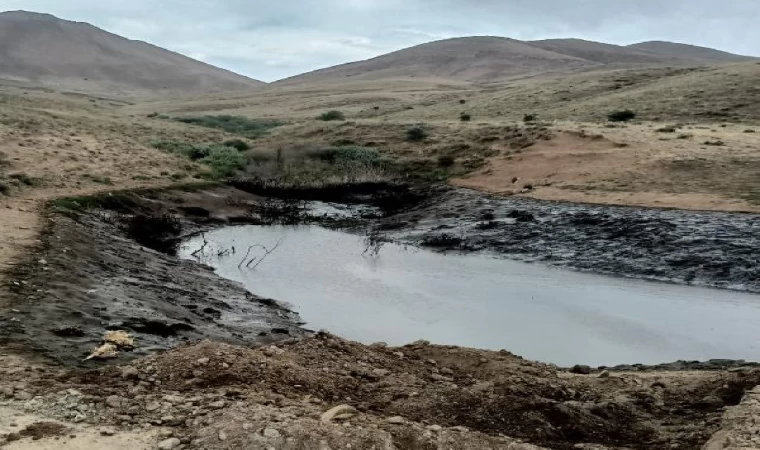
(700, 248)
(90, 275)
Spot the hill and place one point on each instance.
(692, 52)
(605, 53)
(43, 49)
(473, 59)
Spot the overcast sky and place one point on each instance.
(273, 39)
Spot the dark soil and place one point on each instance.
(701, 248)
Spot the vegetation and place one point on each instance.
(465, 117)
(462, 101)
(416, 134)
(224, 161)
(244, 126)
(332, 115)
(446, 161)
(621, 116)
(238, 144)
(530, 117)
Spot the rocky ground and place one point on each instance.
(323, 392)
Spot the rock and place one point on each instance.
(222, 435)
(174, 399)
(22, 395)
(582, 370)
(107, 431)
(446, 371)
(247, 427)
(152, 406)
(6, 391)
(105, 351)
(271, 433)
(202, 361)
(121, 339)
(114, 401)
(338, 413)
(379, 345)
(130, 373)
(380, 373)
(435, 428)
(399, 354)
(217, 404)
(604, 374)
(273, 350)
(166, 433)
(169, 444)
(396, 420)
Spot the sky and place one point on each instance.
(274, 39)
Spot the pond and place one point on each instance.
(402, 294)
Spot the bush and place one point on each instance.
(244, 126)
(462, 101)
(332, 115)
(337, 155)
(465, 117)
(530, 117)
(416, 134)
(666, 130)
(224, 161)
(238, 144)
(621, 116)
(4, 188)
(446, 161)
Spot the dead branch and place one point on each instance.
(203, 247)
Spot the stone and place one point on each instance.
(169, 444)
(581, 370)
(203, 361)
(380, 373)
(6, 391)
(396, 420)
(247, 427)
(107, 431)
(222, 435)
(166, 433)
(339, 412)
(22, 395)
(152, 406)
(173, 399)
(435, 428)
(271, 433)
(604, 374)
(130, 373)
(446, 371)
(217, 404)
(114, 401)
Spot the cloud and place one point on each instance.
(271, 40)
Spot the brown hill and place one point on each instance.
(474, 59)
(605, 53)
(43, 49)
(692, 52)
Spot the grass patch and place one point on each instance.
(111, 201)
(332, 115)
(244, 126)
(24, 179)
(238, 144)
(224, 161)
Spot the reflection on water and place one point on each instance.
(400, 295)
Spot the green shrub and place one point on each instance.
(244, 126)
(465, 117)
(462, 101)
(4, 188)
(530, 117)
(332, 115)
(666, 130)
(416, 134)
(238, 144)
(621, 116)
(446, 161)
(224, 161)
(338, 155)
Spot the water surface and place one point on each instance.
(553, 315)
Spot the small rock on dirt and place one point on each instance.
(107, 431)
(338, 412)
(396, 420)
(169, 444)
(114, 401)
(271, 433)
(604, 374)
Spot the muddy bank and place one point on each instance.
(94, 271)
(701, 248)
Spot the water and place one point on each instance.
(542, 313)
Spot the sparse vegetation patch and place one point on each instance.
(244, 126)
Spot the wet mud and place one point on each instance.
(701, 248)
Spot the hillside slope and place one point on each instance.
(605, 53)
(41, 48)
(692, 52)
(476, 59)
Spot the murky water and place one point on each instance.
(543, 313)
